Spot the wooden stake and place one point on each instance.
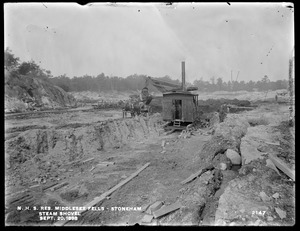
(231, 85)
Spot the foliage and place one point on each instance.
(105, 83)
(10, 61)
(134, 82)
(28, 68)
(263, 85)
(137, 82)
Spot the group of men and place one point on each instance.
(139, 104)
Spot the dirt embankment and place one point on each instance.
(45, 157)
(28, 93)
(38, 153)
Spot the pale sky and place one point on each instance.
(152, 39)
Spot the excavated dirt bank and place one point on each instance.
(38, 150)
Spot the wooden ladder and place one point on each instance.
(176, 123)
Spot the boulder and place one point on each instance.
(281, 213)
(222, 166)
(234, 200)
(234, 157)
(275, 195)
(226, 135)
(264, 196)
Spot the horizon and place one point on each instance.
(153, 39)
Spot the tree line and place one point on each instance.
(134, 82)
(218, 84)
(106, 83)
(30, 68)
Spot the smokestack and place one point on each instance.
(183, 75)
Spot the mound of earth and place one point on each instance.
(27, 92)
(211, 105)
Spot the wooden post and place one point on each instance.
(291, 85)
(231, 80)
(183, 75)
(237, 76)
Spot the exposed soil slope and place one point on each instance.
(27, 92)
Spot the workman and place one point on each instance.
(145, 98)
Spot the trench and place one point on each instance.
(206, 213)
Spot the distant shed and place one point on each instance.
(180, 105)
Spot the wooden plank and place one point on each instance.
(49, 186)
(156, 206)
(101, 165)
(107, 163)
(104, 195)
(270, 164)
(117, 186)
(73, 162)
(192, 177)
(169, 132)
(147, 218)
(271, 143)
(197, 174)
(20, 198)
(88, 160)
(283, 167)
(9, 194)
(25, 200)
(145, 207)
(59, 186)
(167, 209)
(166, 124)
(34, 186)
